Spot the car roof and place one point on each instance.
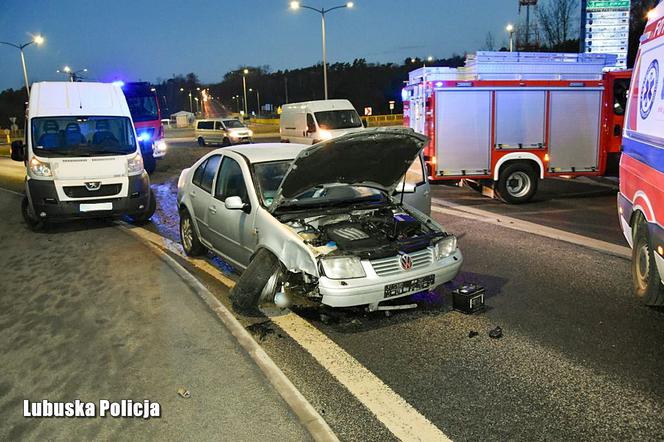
(265, 152)
(66, 98)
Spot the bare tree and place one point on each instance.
(489, 42)
(556, 18)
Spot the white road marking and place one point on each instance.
(400, 418)
(404, 421)
(449, 208)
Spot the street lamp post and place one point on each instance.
(510, 30)
(73, 75)
(38, 40)
(296, 5)
(244, 87)
(258, 101)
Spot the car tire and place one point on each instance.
(258, 283)
(646, 280)
(226, 142)
(284, 140)
(517, 183)
(33, 222)
(201, 142)
(188, 237)
(144, 217)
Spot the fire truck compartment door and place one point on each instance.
(463, 132)
(520, 117)
(574, 130)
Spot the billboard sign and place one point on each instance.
(607, 28)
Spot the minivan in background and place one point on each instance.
(82, 156)
(641, 196)
(311, 122)
(222, 131)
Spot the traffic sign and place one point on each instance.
(367, 111)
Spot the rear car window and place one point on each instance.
(209, 170)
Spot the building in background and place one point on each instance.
(605, 28)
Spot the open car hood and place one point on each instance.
(376, 158)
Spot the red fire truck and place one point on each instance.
(508, 119)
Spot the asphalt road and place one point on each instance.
(580, 358)
(88, 312)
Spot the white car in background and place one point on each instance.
(326, 215)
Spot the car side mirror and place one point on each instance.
(406, 188)
(235, 203)
(18, 151)
(365, 123)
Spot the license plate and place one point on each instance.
(93, 207)
(413, 285)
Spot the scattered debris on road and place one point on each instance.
(496, 333)
(472, 334)
(184, 393)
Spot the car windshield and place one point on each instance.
(82, 136)
(338, 119)
(233, 124)
(143, 108)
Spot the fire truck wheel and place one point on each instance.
(517, 183)
(645, 277)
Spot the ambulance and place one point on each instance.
(641, 197)
(509, 119)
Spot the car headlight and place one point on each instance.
(344, 267)
(250, 132)
(40, 168)
(135, 164)
(160, 146)
(325, 134)
(445, 247)
(234, 135)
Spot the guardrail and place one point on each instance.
(377, 120)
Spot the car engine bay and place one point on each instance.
(367, 234)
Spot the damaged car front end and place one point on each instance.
(327, 226)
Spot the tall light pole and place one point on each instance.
(38, 40)
(244, 86)
(73, 75)
(258, 101)
(510, 30)
(296, 5)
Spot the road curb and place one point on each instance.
(450, 208)
(305, 412)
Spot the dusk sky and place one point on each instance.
(152, 40)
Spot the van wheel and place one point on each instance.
(517, 183)
(646, 280)
(201, 142)
(226, 142)
(190, 243)
(145, 216)
(30, 217)
(284, 140)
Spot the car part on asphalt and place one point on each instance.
(496, 333)
(468, 299)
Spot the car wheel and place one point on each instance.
(144, 217)
(226, 142)
(258, 282)
(646, 280)
(30, 217)
(517, 183)
(201, 142)
(190, 243)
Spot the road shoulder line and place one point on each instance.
(449, 208)
(305, 412)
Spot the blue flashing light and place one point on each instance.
(119, 83)
(144, 136)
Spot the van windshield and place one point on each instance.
(338, 119)
(233, 124)
(82, 136)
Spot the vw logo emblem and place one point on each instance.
(93, 185)
(406, 261)
(649, 89)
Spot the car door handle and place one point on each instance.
(213, 209)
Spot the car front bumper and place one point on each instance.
(370, 290)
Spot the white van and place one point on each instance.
(222, 131)
(82, 155)
(313, 121)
